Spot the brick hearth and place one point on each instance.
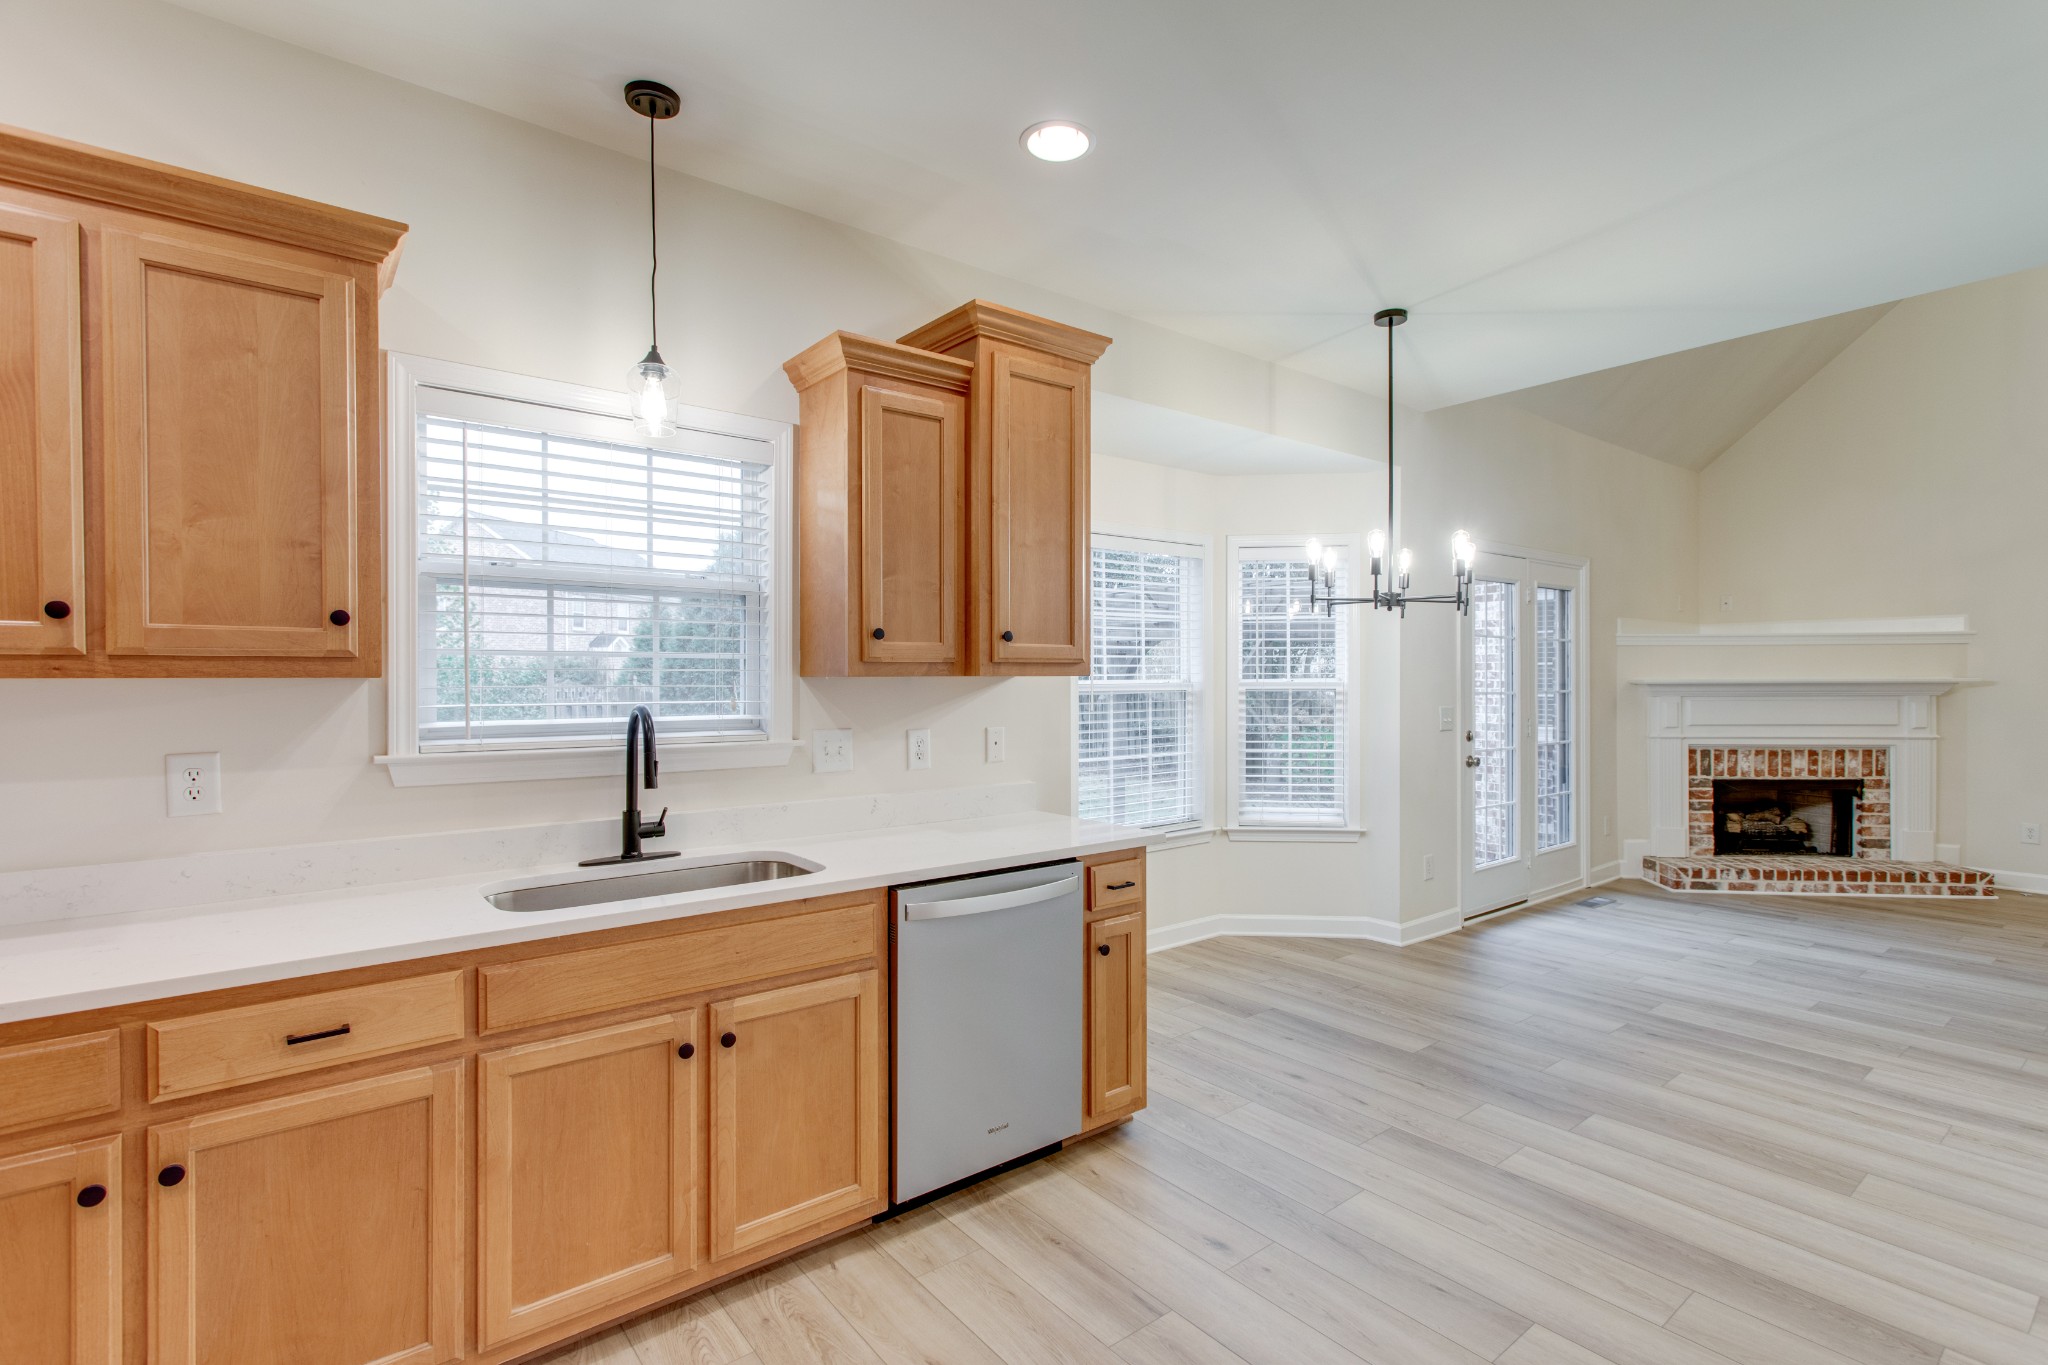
(1873, 807)
(1812, 874)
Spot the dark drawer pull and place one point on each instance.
(56, 611)
(170, 1175)
(92, 1196)
(727, 1039)
(1102, 948)
(294, 1039)
(687, 1051)
(1008, 637)
(878, 632)
(338, 617)
(1119, 886)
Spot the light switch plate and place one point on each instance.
(920, 748)
(1443, 718)
(831, 751)
(192, 784)
(997, 747)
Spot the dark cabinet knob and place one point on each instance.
(1102, 948)
(92, 1196)
(687, 1051)
(876, 632)
(171, 1175)
(1008, 636)
(56, 611)
(340, 618)
(727, 1039)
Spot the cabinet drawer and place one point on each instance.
(1118, 883)
(65, 1078)
(205, 1052)
(566, 985)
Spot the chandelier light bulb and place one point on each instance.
(1407, 560)
(1376, 544)
(1463, 551)
(1329, 561)
(1315, 550)
(652, 390)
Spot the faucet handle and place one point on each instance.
(657, 827)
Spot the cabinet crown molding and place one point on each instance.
(39, 162)
(842, 351)
(980, 318)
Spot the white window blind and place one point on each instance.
(1140, 714)
(1289, 693)
(569, 572)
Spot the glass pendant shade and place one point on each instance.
(652, 388)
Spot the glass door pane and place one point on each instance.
(1554, 718)
(1495, 793)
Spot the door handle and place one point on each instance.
(1471, 760)
(978, 905)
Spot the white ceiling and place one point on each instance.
(1687, 407)
(1554, 186)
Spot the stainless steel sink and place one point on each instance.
(669, 881)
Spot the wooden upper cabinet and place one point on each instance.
(42, 474)
(1028, 469)
(589, 1161)
(60, 1256)
(798, 1125)
(881, 508)
(230, 451)
(323, 1229)
(224, 338)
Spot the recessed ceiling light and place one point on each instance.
(1056, 140)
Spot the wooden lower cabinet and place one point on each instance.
(321, 1229)
(797, 1120)
(1116, 1017)
(589, 1161)
(60, 1255)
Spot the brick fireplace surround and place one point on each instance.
(1872, 871)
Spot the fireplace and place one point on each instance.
(1811, 815)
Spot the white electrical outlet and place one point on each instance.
(1443, 718)
(1606, 825)
(1429, 867)
(920, 743)
(831, 751)
(996, 744)
(2030, 833)
(192, 784)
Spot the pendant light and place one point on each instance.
(1395, 597)
(652, 386)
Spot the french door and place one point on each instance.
(1520, 834)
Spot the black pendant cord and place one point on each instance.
(653, 245)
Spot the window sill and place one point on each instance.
(540, 765)
(1178, 838)
(1284, 834)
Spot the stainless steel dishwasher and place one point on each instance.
(988, 1022)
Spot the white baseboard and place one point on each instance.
(1303, 926)
(1604, 873)
(1951, 854)
(1633, 851)
(2033, 883)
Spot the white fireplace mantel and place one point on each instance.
(1893, 713)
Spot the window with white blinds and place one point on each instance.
(1140, 714)
(569, 570)
(1290, 680)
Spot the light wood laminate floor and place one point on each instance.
(1664, 1131)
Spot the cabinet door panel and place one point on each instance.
(42, 529)
(796, 1110)
(590, 1171)
(230, 453)
(1116, 1016)
(60, 1260)
(323, 1229)
(913, 455)
(1038, 511)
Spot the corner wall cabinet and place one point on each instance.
(943, 497)
(190, 482)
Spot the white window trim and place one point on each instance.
(1202, 548)
(1347, 830)
(405, 375)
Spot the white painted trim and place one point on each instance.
(1907, 630)
(1605, 873)
(538, 765)
(1952, 854)
(1633, 851)
(1173, 839)
(404, 376)
(1366, 927)
(1291, 834)
(2032, 883)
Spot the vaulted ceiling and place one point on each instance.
(1556, 187)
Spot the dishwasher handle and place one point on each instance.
(979, 905)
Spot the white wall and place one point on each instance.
(1908, 479)
(526, 254)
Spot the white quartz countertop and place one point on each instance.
(65, 966)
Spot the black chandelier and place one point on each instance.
(1394, 597)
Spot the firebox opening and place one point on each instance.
(1793, 815)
